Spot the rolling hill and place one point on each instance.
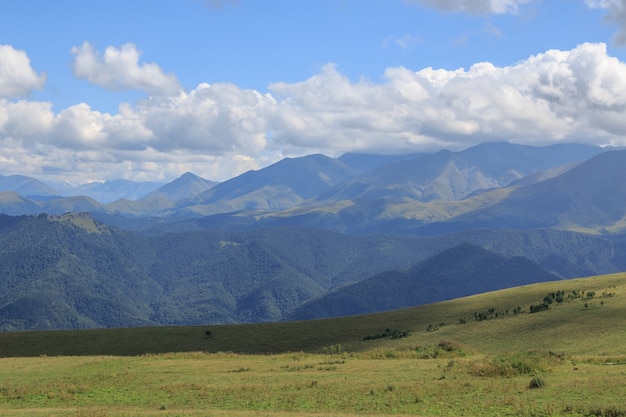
(567, 328)
(71, 271)
(486, 354)
(464, 270)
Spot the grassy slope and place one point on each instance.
(569, 327)
(409, 376)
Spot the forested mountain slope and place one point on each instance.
(464, 270)
(72, 271)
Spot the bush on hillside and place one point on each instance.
(394, 334)
(516, 364)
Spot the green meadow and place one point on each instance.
(485, 355)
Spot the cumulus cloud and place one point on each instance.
(213, 118)
(119, 69)
(557, 95)
(474, 6)
(17, 77)
(219, 130)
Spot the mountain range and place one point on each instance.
(310, 237)
(355, 192)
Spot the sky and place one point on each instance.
(148, 90)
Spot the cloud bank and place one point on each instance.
(219, 130)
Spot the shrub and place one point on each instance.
(607, 412)
(394, 334)
(334, 349)
(614, 412)
(536, 383)
(517, 364)
(539, 307)
(449, 345)
(399, 334)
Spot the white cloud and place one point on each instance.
(474, 6)
(119, 69)
(17, 77)
(215, 118)
(220, 130)
(558, 95)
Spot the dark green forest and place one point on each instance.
(72, 271)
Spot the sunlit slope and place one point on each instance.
(593, 322)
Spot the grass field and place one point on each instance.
(569, 360)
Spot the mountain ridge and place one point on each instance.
(294, 186)
(466, 269)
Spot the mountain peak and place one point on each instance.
(188, 175)
(187, 185)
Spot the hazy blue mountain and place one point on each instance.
(509, 161)
(109, 191)
(457, 272)
(279, 186)
(62, 205)
(14, 204)
(365, 163)
(590, 197)
(412, 191)
(449, 176)
(154, 203)
(26, 186)
(185, 186)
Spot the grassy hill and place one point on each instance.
(573, 326)
(447, 359)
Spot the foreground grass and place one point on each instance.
(383, 382)
(446, 363)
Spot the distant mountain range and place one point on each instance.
(354, 193)
(309, 237)
(102, 192)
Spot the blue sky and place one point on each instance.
(147, 90)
